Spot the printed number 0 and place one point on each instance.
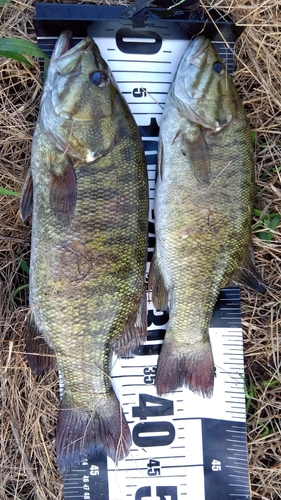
(146, 434)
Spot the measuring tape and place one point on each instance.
(184, 446)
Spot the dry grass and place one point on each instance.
(29, 406)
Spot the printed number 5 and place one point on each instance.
(139, 92)
(155, 471)
(164, 492)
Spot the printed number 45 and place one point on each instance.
(216, 465)
(153, 468)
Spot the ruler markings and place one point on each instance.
(229, 315)
(137, 61)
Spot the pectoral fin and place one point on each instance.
(247, 274)
(157, 284)
(197, 151)
(40, 356)
(26, 202)
(63, 191)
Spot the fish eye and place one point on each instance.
(218, 67)
(99, 79)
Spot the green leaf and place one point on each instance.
(271, 222)
(15, 56)
(274, 222)
(256, 212)
(22, 264)
(254, 136)
(266, 430)
(16, 47)
(276, 170)
(8, 192)
(15, 292)
(268, 224)
(2, 2)
(270, 383)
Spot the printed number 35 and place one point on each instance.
(149, 375)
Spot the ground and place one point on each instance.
(29, 406)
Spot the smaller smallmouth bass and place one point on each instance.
(88, 190)
(203, 213)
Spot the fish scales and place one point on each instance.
(89, 239)
(203, 213)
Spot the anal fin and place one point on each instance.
(40, 356)
(157, 284)
(247, 275)
(134, 332)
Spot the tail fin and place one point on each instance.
(82, 433)
(190, 365)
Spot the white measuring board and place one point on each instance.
(184, 446)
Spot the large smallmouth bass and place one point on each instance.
(87, 188)
(203, 213)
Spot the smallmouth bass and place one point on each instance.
(203, 213)
(88, 191)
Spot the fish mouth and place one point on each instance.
(195, 48)
(66, 58)
(63, 44)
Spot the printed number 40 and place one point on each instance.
(153, 433)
